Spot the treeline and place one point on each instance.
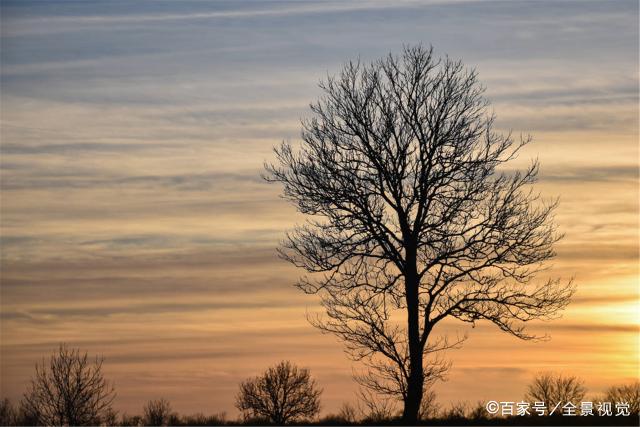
(71, 390)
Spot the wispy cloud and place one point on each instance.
(600, 173)
(255, 9)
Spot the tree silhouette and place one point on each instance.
(157, 412)
(429, 407)
(348, 414)
(69, 390)
(8, 414)
(376, 408)
(282, 394)
(411, 220)
(625, 393)
(553, 388)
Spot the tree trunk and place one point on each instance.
(416, 372)
(414, 397)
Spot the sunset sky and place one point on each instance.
(135, 223)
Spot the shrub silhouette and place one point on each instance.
(457, 410)
(377, 408)
(200, 419)
(478, 412)
(284, 393)
(629, 393)
(69, 390)
(429, 408)
(552, 388)
(157, 412)
(7, 412)
(348, 413)
(131, 420)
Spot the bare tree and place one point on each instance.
(411, 220)
(429, 407)
(626, 393)
(348, 414)
(157, 412)
(553, 388)
(458, 409)
(131, 420)
(376, 408)
(282, 394)
(69, 390)
(26, 416)
(479, 411)
(8, 413)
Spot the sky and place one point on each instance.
(135, 224)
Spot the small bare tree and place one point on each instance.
(8, 413)
(429, 407)
(131, 420)
(413, 217)
(626, 393)
(376, 408)
(69, 390)
(553, 388)
(348, 413)
(458, 409)
(284, 393)
(157, 412)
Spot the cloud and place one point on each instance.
(489, 370)
(622, 251)
(94, 148)
(66, 180)
(594, 328)
(604, 299)
(585, 174)
(275, 9)
(140, 309)
(592, 173)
